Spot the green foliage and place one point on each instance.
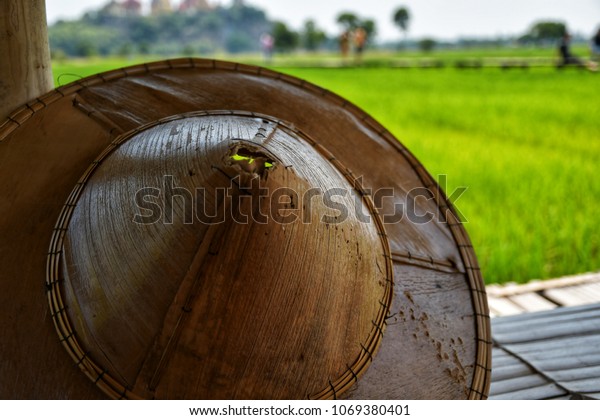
(213, 22)
(312, 37)
(58, 56)
(144, 30)
(285, 39)
(426, 44)
(238, 42)
(144, 48)
(125, 50)
(370, 27)
(80, 40)
(187, 50)
(401, 18)
(351, 21)
(235, 29)
(348, 20)
(542, 32)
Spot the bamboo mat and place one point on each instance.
(547, 355)
(546, 335)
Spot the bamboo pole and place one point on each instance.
(25, 71)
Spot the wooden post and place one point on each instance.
(25, 71)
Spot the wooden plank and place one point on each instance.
(586, 297)
(583, 386)
(532, 302)
(536, 286)
(531, 321)
(561, 344)
(501, 358)
(560, 312)
(583, 378)
(591, 289)
(542, 392)
(561, 359)
(565, 296)
(577, 373)
(549, 331)
(564, 361)
(517, 384)
(542, 348)
(503, 307)
(514, 370)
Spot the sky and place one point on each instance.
(440, 19)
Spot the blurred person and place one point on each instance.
(564, 49)
(344, 41)
(267, 43)
(360, 40)
(595, 47)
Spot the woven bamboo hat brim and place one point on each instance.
(347, 300)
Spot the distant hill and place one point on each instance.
(119, 28)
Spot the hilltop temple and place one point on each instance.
(194, 5)
(157, 7)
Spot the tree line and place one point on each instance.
(103, 32)
(234, 29)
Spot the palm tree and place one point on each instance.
(348, 20)
(401, 18)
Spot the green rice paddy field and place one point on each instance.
(526, 143)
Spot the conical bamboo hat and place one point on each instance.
(202, 229)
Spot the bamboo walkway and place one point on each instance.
(546, 339)
(535, 296)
